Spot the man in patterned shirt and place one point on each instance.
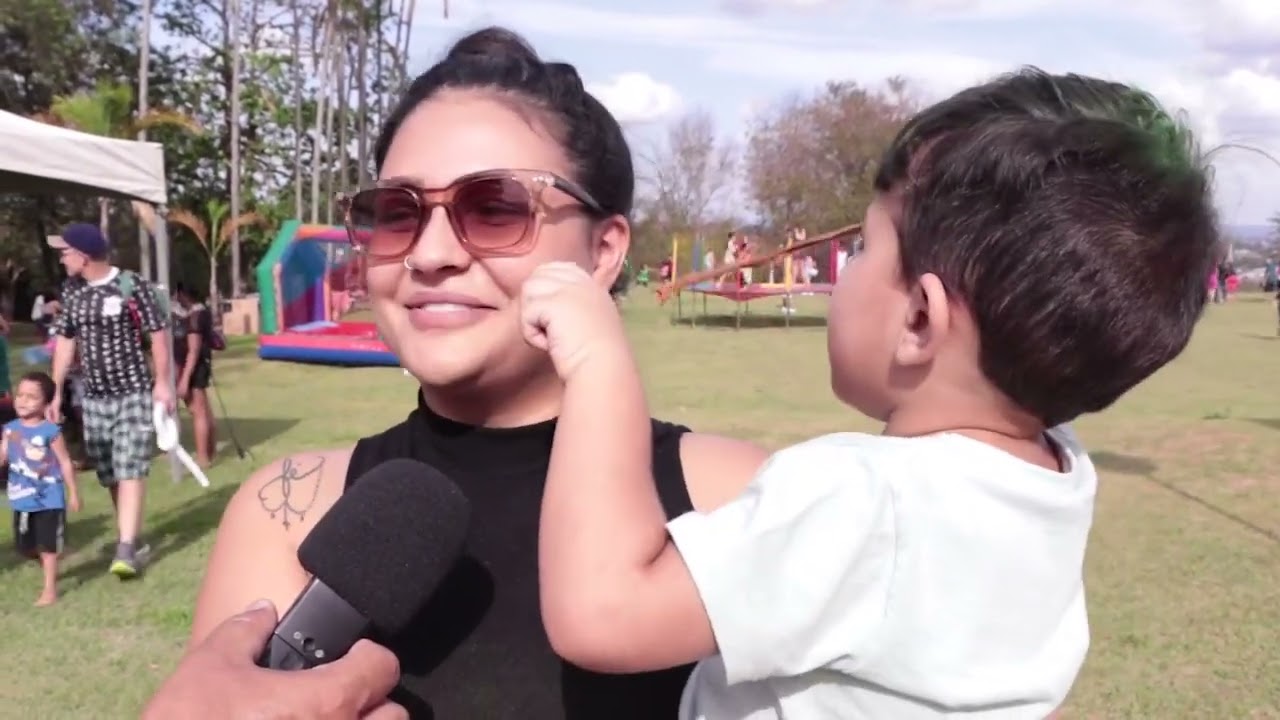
(109, 325)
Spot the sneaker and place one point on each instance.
(129, 560)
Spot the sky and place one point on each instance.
(1216, 60)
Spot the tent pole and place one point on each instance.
(162, 282)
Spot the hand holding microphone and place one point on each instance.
(218, 679)
(375, 559)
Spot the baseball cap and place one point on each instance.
(81, 237)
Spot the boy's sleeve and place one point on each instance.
(794, 573)
(152, 317)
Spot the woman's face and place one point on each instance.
(453, 320)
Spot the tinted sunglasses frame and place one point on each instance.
(534, 182)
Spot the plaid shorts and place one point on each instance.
(119, 436)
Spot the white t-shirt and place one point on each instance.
(862, 576)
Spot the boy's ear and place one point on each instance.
(927, 322)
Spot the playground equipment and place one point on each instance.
(306, 279)
(706, 281)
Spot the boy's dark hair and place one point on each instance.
(47, 388)
(1073, 217)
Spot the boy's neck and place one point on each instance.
(31, 421)
(990, 420)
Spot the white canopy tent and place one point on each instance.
(40, 158)
(37, 158)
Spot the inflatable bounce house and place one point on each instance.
(306, 281)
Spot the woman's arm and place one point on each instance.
(254, 554)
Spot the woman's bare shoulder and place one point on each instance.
(254, 553)
(292, 493)
(717, 468)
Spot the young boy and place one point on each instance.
(934, 570)
(39, 470)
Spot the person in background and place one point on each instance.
(193, 358)
(107, 331)
(1269, 275)
(1221, 290)
(41, 480)
(72, 407)
(5, 382)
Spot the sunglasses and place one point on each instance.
(493, 213)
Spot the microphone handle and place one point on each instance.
(319, 627)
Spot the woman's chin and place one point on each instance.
(444, 370)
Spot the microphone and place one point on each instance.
(375, 559)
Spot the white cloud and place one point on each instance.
(636, 98)
(756, 6)
(616, 25)
(1217, 59)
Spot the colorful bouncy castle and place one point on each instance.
(307, 280)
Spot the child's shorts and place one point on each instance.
(41, 531)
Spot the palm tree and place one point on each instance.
(214, 235)
(144, 105)
(108, 110)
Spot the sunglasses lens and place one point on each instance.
(384, 221)
(494, 213)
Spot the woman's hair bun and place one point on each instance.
(565, 76)
(493, 45)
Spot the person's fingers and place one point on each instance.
(386, 711)
(241, 637)
(366, 674)
(532, 325)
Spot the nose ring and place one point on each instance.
(406, 264)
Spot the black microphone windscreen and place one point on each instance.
(389, 540)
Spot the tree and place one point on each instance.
(811, 161)
(214, 235)
(144, 107)
(108, 110)
(683, 176)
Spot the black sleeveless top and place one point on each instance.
(478, 651)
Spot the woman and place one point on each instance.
(524, 167)
(192, 332)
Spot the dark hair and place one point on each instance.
(47, 388)
(1073, 217)
(500, 60)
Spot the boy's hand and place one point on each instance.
(567, 313)
(73, 501)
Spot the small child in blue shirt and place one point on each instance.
(41, 479)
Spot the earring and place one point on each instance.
(406, 264)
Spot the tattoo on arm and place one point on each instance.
(292, 491)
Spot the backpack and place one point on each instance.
(216, 340)
(128, 280)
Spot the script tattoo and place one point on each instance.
(292, 492)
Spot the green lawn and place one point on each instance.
(1183, 571)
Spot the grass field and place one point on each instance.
(1183, 569)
